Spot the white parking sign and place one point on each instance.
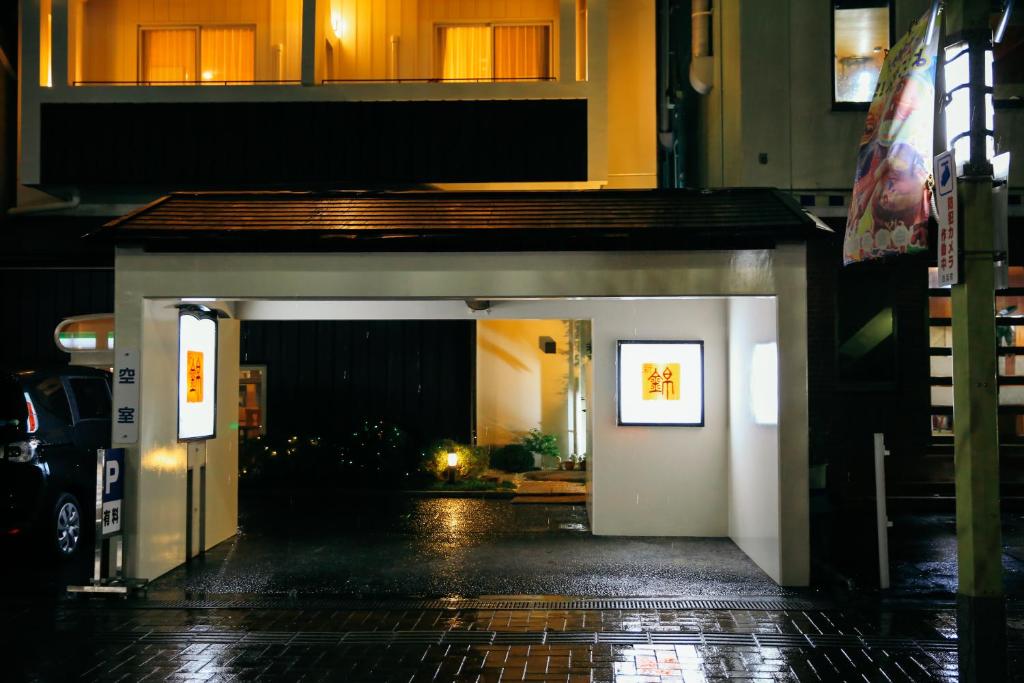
(945, 201)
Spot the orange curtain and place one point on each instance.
(464, 52)
(45, 43)
(521, 52)
(228, 54)
(168, 55)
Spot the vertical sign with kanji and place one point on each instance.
(945, 202)
(113, 490)
(126, 396)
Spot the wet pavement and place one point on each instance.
(922, 550)
(399, 588)
(402, 545)
(133, 641)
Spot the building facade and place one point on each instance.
(120, 102)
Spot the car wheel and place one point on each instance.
(66, 529)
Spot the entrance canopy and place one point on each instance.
(493, 221)
(725, 268)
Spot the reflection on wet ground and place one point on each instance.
(922, 549)
(133, 643)
(401, 545)
(389, 548)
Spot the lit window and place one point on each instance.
(45, 43)
(168, 55)
(212, 55)
(485, 52)
(582, 65)
(860, 30)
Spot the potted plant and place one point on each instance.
(541, 445)
(570, 464)
(583, 463)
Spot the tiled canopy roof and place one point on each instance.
(489, 221)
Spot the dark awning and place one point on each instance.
(466, 221)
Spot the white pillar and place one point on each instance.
(794, 496)
(28, 86)
(567, 41)
(309, 43)
(59, 44)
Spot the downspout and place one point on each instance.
(665, 134)
(701, 55)
(72, 203)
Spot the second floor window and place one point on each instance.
(197, 54)
(501, 52)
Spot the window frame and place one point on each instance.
(1003, 100)
(852, 4)
(72, 394)
(437, 68)
(198, 29)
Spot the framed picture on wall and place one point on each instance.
(660, 383)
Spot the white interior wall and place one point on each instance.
(753, 448)
(518, 386)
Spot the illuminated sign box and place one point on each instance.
(661, 383)
(197, 374)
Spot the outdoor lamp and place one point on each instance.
(453, 460)
(958, 104)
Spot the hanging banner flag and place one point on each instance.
(891, 199)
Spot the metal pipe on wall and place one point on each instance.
(701, 55)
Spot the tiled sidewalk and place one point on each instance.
(154, 642)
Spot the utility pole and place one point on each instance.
(981, 616)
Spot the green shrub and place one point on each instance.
(512, 458)
(472, 460)
(538, 442)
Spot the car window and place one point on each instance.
(91, 396)
(49, 396)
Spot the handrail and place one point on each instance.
(187, 83)
(540, 79)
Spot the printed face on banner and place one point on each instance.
(891, 201)
(197, 372)
(661, 383)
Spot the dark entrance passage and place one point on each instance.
(390, 545)
(325, 378)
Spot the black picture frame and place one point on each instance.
(852, 4)
(699, 343)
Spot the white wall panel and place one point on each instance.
(753, 448)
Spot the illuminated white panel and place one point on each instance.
(197, 377)
(661, 383)
(764, 384)
(942, 396)
(941, 366)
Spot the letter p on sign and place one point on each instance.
(113, 474)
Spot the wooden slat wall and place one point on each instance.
(326, 375)
(207, 145)
(109, 32)
(364, 51)
(35, 301)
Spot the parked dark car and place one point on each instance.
(51, 423)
